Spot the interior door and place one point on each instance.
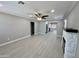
(32, 28)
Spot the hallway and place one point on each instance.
(41, 46)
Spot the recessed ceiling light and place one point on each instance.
(52, 11)
(1, 5)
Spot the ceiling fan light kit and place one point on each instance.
(39, 19)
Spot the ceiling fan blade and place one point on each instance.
(36, 15)
(44, 16)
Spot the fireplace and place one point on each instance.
(70, 37)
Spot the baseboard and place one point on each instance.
(14, 40)
(41, 33)
(36, 33)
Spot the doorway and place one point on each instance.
(46, 28)
(52, 27)
(32, 28)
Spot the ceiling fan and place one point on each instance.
(39, 16)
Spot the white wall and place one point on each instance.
(12, 27)
(60, 26)
(73, 21)
(42, 28)
(36, 28)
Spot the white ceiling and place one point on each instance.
(60, 7)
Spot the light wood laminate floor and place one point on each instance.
(39, 46)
